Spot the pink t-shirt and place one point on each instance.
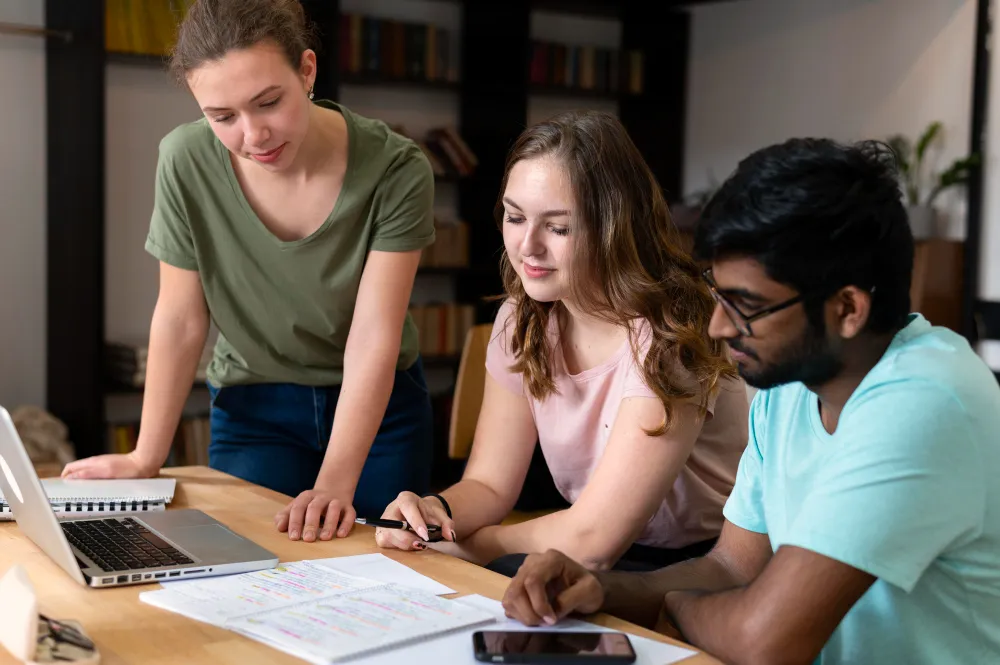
(573, 427)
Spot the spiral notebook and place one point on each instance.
(316, 613)
(88, 498)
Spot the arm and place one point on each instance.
(501, 452)
(634, 474)
(737, 558)
(370, 358)
(550, 586)
(784, 616)
(896, 492)
(176, 340)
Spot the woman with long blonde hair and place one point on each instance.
(600, 353)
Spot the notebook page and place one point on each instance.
(380, 567)
(456, 648)
(217, 600)
(141, 489)
(359, 622)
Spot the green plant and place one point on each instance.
(910, 162)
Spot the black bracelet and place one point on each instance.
(444, 503)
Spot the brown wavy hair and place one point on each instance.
(627, 263)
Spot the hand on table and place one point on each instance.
(418, 513)
(110, 466)
(313, 510)
(548, 587)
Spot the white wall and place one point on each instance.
(765, 70)
(989, 266)
(142, 105)
(22, 209)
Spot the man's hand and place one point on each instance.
(315, 508)
(548, 587)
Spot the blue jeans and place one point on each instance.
(276, 435)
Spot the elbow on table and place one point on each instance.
(760, 644)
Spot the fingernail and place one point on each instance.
(419, 545)
(550, 620)
(293, 534)
(454, 538)
(326, 534)
(423, 533)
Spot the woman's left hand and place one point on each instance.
(317, 512)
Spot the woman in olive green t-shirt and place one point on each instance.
(296, 227)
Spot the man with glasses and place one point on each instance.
(864, 526)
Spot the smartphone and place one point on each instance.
(552, 646)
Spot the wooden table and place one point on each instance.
(129, 631)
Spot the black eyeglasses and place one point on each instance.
(742, 321)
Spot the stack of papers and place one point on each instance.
(327, 610)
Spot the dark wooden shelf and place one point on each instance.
(611, 9)
(373, 79)
(458, 271)
(577, 93)
(437, 362)
(136, 59)
(593, 8)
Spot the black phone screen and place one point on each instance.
(552, 647)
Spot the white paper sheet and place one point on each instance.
(456, 648)
(382, 568)
(218, 599)
(318, 613)
(375, 567)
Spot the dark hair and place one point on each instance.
(212, 28)
(819, 216)
(627, 262)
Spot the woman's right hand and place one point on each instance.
(418, 513)
(130, 465)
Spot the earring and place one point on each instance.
(310, 92)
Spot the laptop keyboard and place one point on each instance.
(124, 544)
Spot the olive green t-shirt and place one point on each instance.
(284, 309)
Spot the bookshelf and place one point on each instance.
(490, 92)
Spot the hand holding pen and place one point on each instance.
(416, 514)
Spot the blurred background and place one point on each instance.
(698, 85)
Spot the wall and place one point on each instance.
(22, 209)
(765, 70)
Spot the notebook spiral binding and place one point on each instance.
(88, 508)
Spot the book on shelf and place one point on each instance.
(450, 156)
(189, 448)
(589, 68)
(125, 364)
(394, 49)
(443, 327)
(450, 248)
(146, 27)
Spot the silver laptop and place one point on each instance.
(121, 549)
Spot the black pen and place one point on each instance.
(433, 530)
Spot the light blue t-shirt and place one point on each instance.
(906, 489)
